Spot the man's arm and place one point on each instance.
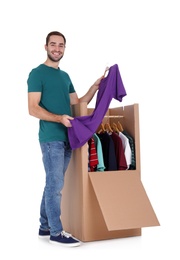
(41, 113)
(88, 96)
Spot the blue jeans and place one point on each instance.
(56, 157)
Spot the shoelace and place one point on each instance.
(65, 234)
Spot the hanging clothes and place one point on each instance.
(83, 127)
(108, 148)
(93, 157)
(100, 166)
(119, 152)
(127, 149)
(132, 146)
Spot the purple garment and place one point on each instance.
(83, 127)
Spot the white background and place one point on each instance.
(142, 37)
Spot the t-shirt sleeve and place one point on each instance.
(34, 82)
(71, 88)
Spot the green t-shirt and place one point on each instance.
(55, 86)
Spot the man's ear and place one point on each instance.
(45, 47)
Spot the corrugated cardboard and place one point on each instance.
(106, 205)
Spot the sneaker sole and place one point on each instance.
(64, 244)
(43, 237)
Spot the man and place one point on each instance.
(50, 96)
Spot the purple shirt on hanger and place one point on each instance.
(83, 127)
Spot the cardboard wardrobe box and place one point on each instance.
(109, 204)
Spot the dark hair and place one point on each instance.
(55, 33)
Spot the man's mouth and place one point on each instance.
(56, 53)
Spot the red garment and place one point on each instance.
(93, 158)
(119, 151)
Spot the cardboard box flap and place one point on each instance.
(123, 201)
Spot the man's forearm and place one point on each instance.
(89, 95)
(43, 114)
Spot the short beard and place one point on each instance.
(54, 60)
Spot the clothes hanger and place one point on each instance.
(108, 127)
(120, 127)
(105, 72)
(102, 129)
(115, 128)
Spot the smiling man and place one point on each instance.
(50, 96)
(55, 49)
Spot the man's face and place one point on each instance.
(55, 48)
